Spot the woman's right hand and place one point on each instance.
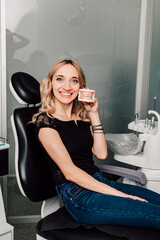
(137, 198)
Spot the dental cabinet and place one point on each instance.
(147, 160)
(6, 230)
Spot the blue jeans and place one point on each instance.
(89, 207)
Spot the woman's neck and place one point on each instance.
(63, 111)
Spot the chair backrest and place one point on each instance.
(32, 171)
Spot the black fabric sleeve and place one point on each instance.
(44, 121)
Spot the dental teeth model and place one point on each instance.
(86, 95)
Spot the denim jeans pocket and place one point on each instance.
(68, 190)
(61, 188)
(74, 191)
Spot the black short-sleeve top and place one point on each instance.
(77, 139)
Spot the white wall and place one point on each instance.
(3, 102)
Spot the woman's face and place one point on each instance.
(65, 83)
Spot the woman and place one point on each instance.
(70, 131)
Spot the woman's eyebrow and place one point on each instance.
(59, 76)
(63, 76)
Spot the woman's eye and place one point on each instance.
(59, 79)
(75, 81)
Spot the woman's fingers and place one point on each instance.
(137, 198)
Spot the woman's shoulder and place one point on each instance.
(44, 119)
(42, 116)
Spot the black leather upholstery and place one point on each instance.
(114, 233)
(26, 87)
(33, 170)
(79, 233)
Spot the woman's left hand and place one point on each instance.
(91, 106)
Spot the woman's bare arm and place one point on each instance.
(99, 142)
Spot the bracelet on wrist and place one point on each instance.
(97, 128)
(99, 132)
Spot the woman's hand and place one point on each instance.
(92, 106)
(137, 198)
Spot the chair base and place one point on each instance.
(38, 237)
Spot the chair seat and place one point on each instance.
(59, 226)
(76, 234)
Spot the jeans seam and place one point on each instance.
(116, 211)
(71, 213)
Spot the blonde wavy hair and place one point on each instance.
(46, 91)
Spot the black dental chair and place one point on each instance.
(35, 182)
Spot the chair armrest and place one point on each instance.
(132, 174)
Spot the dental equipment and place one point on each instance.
(136, 118)
(149, 159)
(146, 123)
(154, 108)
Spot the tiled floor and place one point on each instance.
(18, 205)
(25, 231)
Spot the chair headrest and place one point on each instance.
(25, 88)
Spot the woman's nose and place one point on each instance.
(67, 85)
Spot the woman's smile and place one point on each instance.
(65, 94)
